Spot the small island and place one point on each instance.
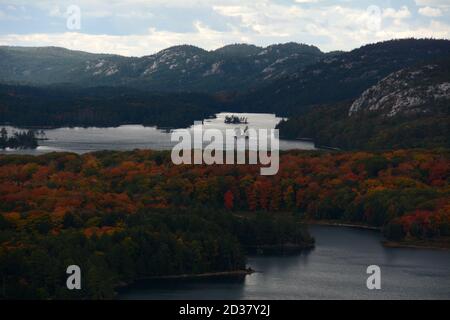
(18, 140)
(233, 119)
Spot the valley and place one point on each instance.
(321, 93)
(365, 140)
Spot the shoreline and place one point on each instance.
(317, 147)
(411, 244)
(123, 286)
(279, 249)
(341, 224)
(423, 245)
(200, 275)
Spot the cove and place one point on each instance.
(334, 269)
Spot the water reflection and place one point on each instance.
(129, 137)
(335, 269)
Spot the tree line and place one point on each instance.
(18, 140)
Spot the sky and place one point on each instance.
(144, 27)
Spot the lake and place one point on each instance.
(130, 137)
(335, 269)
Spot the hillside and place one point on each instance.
(101, 106)
(179, 68)
(123, 216)
(411, 91)
(409, 108)
(342, 76)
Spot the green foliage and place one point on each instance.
(150, 243)
(101, 106)
(374, 165)
(424, 126)
(394, 231)
(19, 140)
(180, 68)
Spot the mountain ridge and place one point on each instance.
(315, 90)
(342, 76)
(177, 68)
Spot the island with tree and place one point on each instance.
(18, 140)
(233, 119)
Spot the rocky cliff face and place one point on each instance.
(406, 92)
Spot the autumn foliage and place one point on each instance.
(123, 215)
(372, 188)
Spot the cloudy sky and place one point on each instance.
(142, 27)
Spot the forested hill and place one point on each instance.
(409, 108)
(101, 106)
(175, 69)
(341, 77)
(122, 216)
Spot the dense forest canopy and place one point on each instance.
(408, 109)
(101, 106)
(330, 126)
(310, 183)
(128, 215)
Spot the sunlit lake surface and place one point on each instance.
(130, 137)
(335, 269)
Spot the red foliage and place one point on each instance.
(228, 199)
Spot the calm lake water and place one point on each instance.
(129, 137)
(335, 269)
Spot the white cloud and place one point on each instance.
(435, 29)
(331, 27)
(8, 16)
(430, 12)
(434, 3)
(55, 12)
(402, 13)
(128, 45)
(343, 27)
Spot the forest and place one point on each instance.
(18, 140)
(59, 106)
(388, 120)
(329, 125)
(124, 216)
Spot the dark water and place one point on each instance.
(335, 269)
(130, 137)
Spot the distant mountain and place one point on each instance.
(340, 76)
(239, 50)
(52, 65)
(408, 108)
(179, 68)
(383, 95)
